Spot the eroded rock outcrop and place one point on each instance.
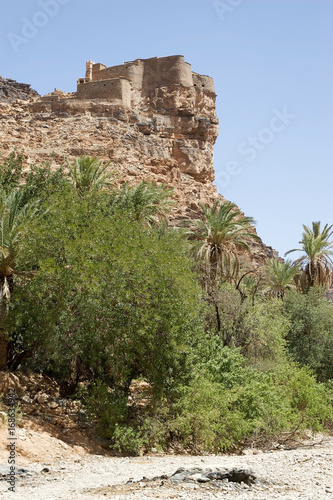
(11, 90)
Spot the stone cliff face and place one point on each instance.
(163, 133)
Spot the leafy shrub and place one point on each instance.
(266, 406)
(226, 405)
(263, 334)
(42, 182)
(310, 335)
(39, 183)
(101, 296)
(11, 169)
(259, 328)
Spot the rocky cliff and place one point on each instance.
(163, 134)
(11, 90)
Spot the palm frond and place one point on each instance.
(89, 173)
(316, 263)
(13, 218)
(148, 202)
(220, 235)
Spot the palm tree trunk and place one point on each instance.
(213, 268)
(218, 319)
(3, 315)
(3, 351)
(3, 340)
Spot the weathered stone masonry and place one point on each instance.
(144, 75)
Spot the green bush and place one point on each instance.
(263, 331)
(38, 184)
(266, 406)
(11, 170)
(226, 405)
(259, 328)
(310, 335)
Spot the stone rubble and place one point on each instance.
(217, 477)
(39, 397)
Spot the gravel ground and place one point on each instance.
(305, 472)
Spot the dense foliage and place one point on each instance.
(103, 293)
(310, 336)
(110, 298)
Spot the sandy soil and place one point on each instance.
(54, 469)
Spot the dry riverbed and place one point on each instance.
(59, 471)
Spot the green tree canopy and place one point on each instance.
(11, 170)
(110, 299)
(310, 336)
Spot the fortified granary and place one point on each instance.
(141, 75)
(127, 84)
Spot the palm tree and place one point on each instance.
(280, 276)
(146, 202)
(221, 236)
(89, 174)
(13, 215)
(317, 263)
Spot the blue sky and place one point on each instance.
(271, 61)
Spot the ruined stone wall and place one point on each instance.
(106, 73)
(131, 70)
(204, 82)
(117, 90)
